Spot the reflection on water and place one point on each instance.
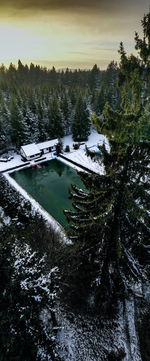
(49, 185)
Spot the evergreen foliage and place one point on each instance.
(65, 107)
(16, 123)
(28, 322)
(28, 92)
(110, 223)
(109, 227)
(5, 128)
(107, 90)
(29, 281)
(94, 77)
(59, 147)
(81, 124)
(56, 129)
(67, 148)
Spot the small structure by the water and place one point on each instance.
(32, 151)
(48, 146)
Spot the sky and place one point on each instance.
(68, 33)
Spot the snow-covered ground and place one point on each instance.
(78, 155)
(94, 139)
(16, 161)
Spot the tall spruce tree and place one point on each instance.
(4, 124)
(81, 123)
(110, 224)
(65, 106)
(41, 121)
(94, 77)
(56, 129)
(18, 126)
(108, 89)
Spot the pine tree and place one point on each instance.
(4, 124)
(31, 116)
(56, 129)
(73, 96)
(53, 77)
(110, 224)
(143, 45)
(94, 77)
(65, 107)
(81, 123)
(18, 127)
(100, 100)
(22, 71)
(59, 147)
(145, 122)
(41, 121)
(109, 92)
(28, 297)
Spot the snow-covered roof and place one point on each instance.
(47, 144)
(30, 149)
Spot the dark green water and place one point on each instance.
(49, 185)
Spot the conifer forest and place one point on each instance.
(83, 295)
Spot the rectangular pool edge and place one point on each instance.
(48, 185)
(36, 206)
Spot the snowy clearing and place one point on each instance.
(78, 155)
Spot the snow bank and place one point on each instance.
(37, 208)
(16, 161)
(79, 155)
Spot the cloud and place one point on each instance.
(49, 4)
(84, 32)
(71, 5)
(78, 52)
(52, 4)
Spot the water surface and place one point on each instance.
(49, 184)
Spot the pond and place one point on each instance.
(48, 184)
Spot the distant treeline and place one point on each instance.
(35, 75)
